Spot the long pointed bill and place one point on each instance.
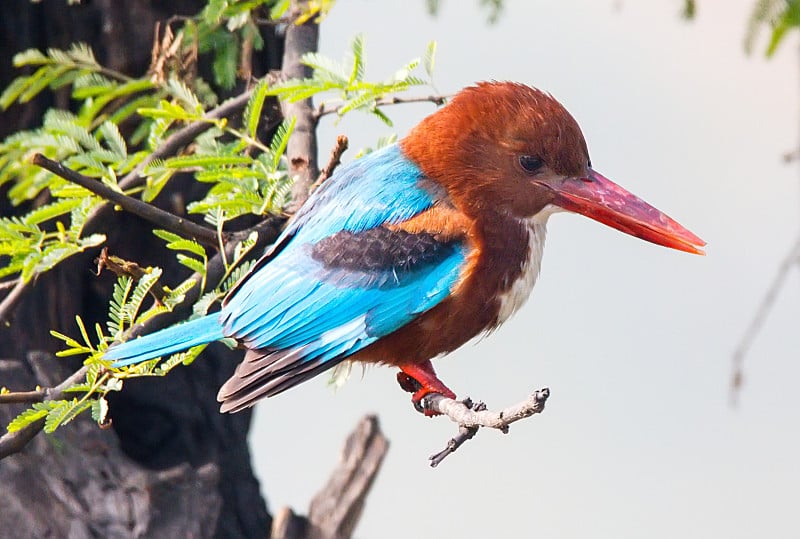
(601, 199)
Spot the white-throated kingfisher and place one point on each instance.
(409, 252)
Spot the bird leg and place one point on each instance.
(421, 380)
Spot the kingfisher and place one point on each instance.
(409, 252)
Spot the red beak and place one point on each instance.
(601, 199)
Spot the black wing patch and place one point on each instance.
(380, 249)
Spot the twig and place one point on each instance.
(9, 284)
(301, 150)
(336, 158)
(760, 317)
(438, 100)
(132, 205)
(13, 442)
(470, 417)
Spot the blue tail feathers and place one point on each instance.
(167, 341)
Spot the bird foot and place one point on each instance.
(421, 381)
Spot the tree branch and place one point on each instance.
(132, 205)
(13, 442)
(471, 416)
(337, 507)
(18, 397)
(301, 151)
(767, 302)
(11, 299)
(438, 100)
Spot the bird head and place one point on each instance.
(509, 148)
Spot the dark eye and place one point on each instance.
(530, 163)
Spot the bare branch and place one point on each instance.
(438, 100)
(13, 442)
(336, 156)
(16, 397)
(301, 150)
(471, 416)
(132, 205)
(336, 509)
(767, 302)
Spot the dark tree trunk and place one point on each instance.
(172, 466)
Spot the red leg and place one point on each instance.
(421, 380)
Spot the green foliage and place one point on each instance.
(115, 124)
(779, 16)
(345, 80)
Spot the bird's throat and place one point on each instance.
(519, 289)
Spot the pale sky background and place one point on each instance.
(635, 341)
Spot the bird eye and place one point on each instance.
(530, 163)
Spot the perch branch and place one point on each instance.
(132, 205)
(14, 442)
(471, 416)
(438, 100)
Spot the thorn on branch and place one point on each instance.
(341, 146)
(471, 416)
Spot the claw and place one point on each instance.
(421, 380)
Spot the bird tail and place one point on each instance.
(167, 341)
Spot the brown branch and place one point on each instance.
(132, 205)
(301, 150)
(767, 302)
(471, 416)
(336, 158)
(337, 507)
(438, 100)
(17, 397)
(14, 442)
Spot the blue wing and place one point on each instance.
(340, 280)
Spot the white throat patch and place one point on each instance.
(516, 296)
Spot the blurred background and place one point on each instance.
(640, 437)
